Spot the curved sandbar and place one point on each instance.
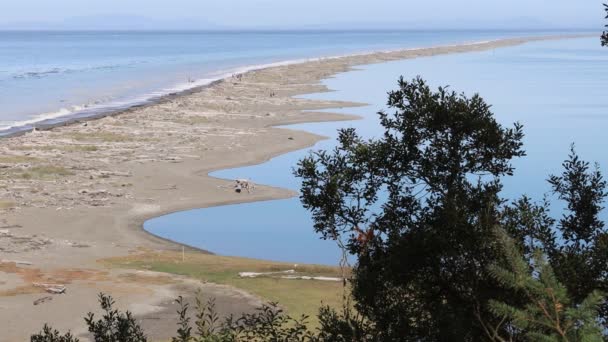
(75, 194)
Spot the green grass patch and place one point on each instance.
(298, 297)
(45, 171)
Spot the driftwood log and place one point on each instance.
(52, 288)
(42, 300)
(16, 262)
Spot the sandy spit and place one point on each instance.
(75, 194)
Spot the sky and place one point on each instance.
(295, 14)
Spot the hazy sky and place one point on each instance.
(298, 13)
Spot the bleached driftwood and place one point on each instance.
(56, 290)
(288, 274)
(51, 288)
(312, 278)
(17, 262)
(259, 274)
(114, 173)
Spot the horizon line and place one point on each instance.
(289, 29)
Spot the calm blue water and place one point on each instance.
(556, 89)
(45, 75)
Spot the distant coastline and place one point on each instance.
(88, 112)
(68, 112)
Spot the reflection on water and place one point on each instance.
(554, 88)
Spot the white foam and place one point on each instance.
(41, 117)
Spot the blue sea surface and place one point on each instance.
(55, 75)
(554, 88)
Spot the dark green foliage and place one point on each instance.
(208, 327)
(576, 245)
(417, 207)
(583, 190)
(580, 262)
(114, 326)
(208, 321)
(51, 335)
(268, 323)
(550, 314)
(529, 224)
(184, 331)
(347, 326)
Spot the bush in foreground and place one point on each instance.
(268, 323)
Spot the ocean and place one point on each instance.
(554, 88)
(49, 77)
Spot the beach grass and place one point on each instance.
(192, 120)
(4, 204)
(100, 136)
(79, 148)
(16, 159)
(33, 148)
(45, 172)
(66, 148)
(298, 297)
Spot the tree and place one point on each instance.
(417, 207)
(582, 258)
(345, 326)
(576, 245)
(550, 314)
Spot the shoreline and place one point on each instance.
(45, 121)
(79, 193)
(40, 122)
(287, 125)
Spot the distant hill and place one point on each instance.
(134, 22)
(520, 23)
(115, 22)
